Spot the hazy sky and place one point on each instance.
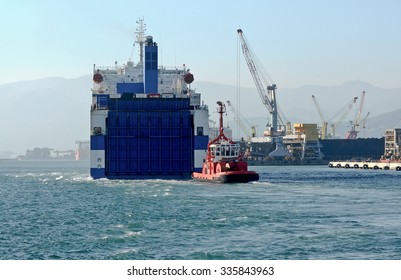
(299, 42)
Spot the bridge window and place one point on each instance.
(217, 151)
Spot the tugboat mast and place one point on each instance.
(221, 110)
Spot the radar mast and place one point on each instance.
(140, 37)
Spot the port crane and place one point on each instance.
(342, 113)
(267, 92)
(238, 118)
(353, 133)
(322, 117)
(345, 111)
(363, 122)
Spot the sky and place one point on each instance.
(298, 42)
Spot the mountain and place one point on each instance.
(297, 105)
(54, 112)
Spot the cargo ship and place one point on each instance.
(146, 121)
(224, 163)
(389, 160)
(306, 147)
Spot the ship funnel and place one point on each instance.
(150, 66)
(149, 40)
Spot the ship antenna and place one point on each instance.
(140, 36)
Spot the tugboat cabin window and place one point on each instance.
(233, 150)
(225, 150)
(217, 151)
(199, 130)
(212, 148)
(228, 149)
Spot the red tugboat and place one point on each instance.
(223, 161)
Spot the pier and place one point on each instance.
(376, 165)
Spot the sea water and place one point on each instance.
(54, 210)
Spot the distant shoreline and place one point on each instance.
(45, 159)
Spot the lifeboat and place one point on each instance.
(223, 162)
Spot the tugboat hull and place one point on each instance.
(227, 177)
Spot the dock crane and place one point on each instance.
(322, 117)
(363, 122)
(353, 133)
(267, 92)
(333, 124)
(239, 121)
(345, 111)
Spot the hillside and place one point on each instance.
(297, 106)
(54, 112)
(51, 112)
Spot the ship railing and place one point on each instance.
(171, 68)
(97, 106)
(359, 159)
(108, 69)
